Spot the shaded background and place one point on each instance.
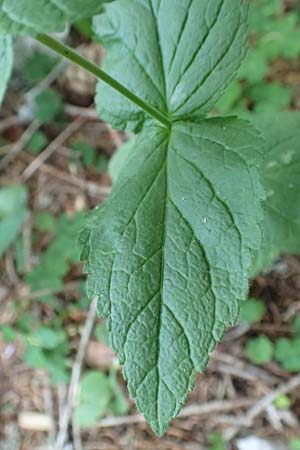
(55, 156)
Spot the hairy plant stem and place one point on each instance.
(76, 58)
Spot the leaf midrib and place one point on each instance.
(162, 280)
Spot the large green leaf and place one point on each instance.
(178, 55)
(169, 253)
(281, 175)
(6, 64)
(27, 17)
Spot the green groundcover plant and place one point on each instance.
(199, 204)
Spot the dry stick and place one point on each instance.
(70, 110)
(237, 367)
(61, 396)
(92, 188)
(11, 122)
(236, 332)
(192, 410)
(10, 269)
(234, 371)
(77, 443)
(68, 287)
(215, 406)
(274, 417)
(292, 310)
(48, 402)
(75, 377)
(89, 113)
(27, 241)
(261, 405)
(19, 146)
(58, 141)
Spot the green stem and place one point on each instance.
(76, 58)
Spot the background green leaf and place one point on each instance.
(281, 178)
(287, 353)
(28, 18)
(37, 142)
(294, 444)
(61, 252)
(252, 310)
(94, 398)
(13, 213)
(6, 64)
(259, 350)
(48, 104)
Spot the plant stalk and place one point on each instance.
(76, 58)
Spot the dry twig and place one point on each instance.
(259, 407)
(91, 188)
(75, 377)
(192, 410)
(234, 366)
(11, 122)
(19, 146)
(58, 141)
(76, 436)
(27, 242)
(49, 407)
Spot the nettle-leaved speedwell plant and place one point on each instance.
(169, 254)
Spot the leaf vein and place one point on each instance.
(211, 186)
(201, 44)
(223, 55)
(155, 20)
(140, 311)
(140, 65)
(183, 332)
(181, 32)
(206, 261)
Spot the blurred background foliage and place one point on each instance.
(269, 78)
(49, 312)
